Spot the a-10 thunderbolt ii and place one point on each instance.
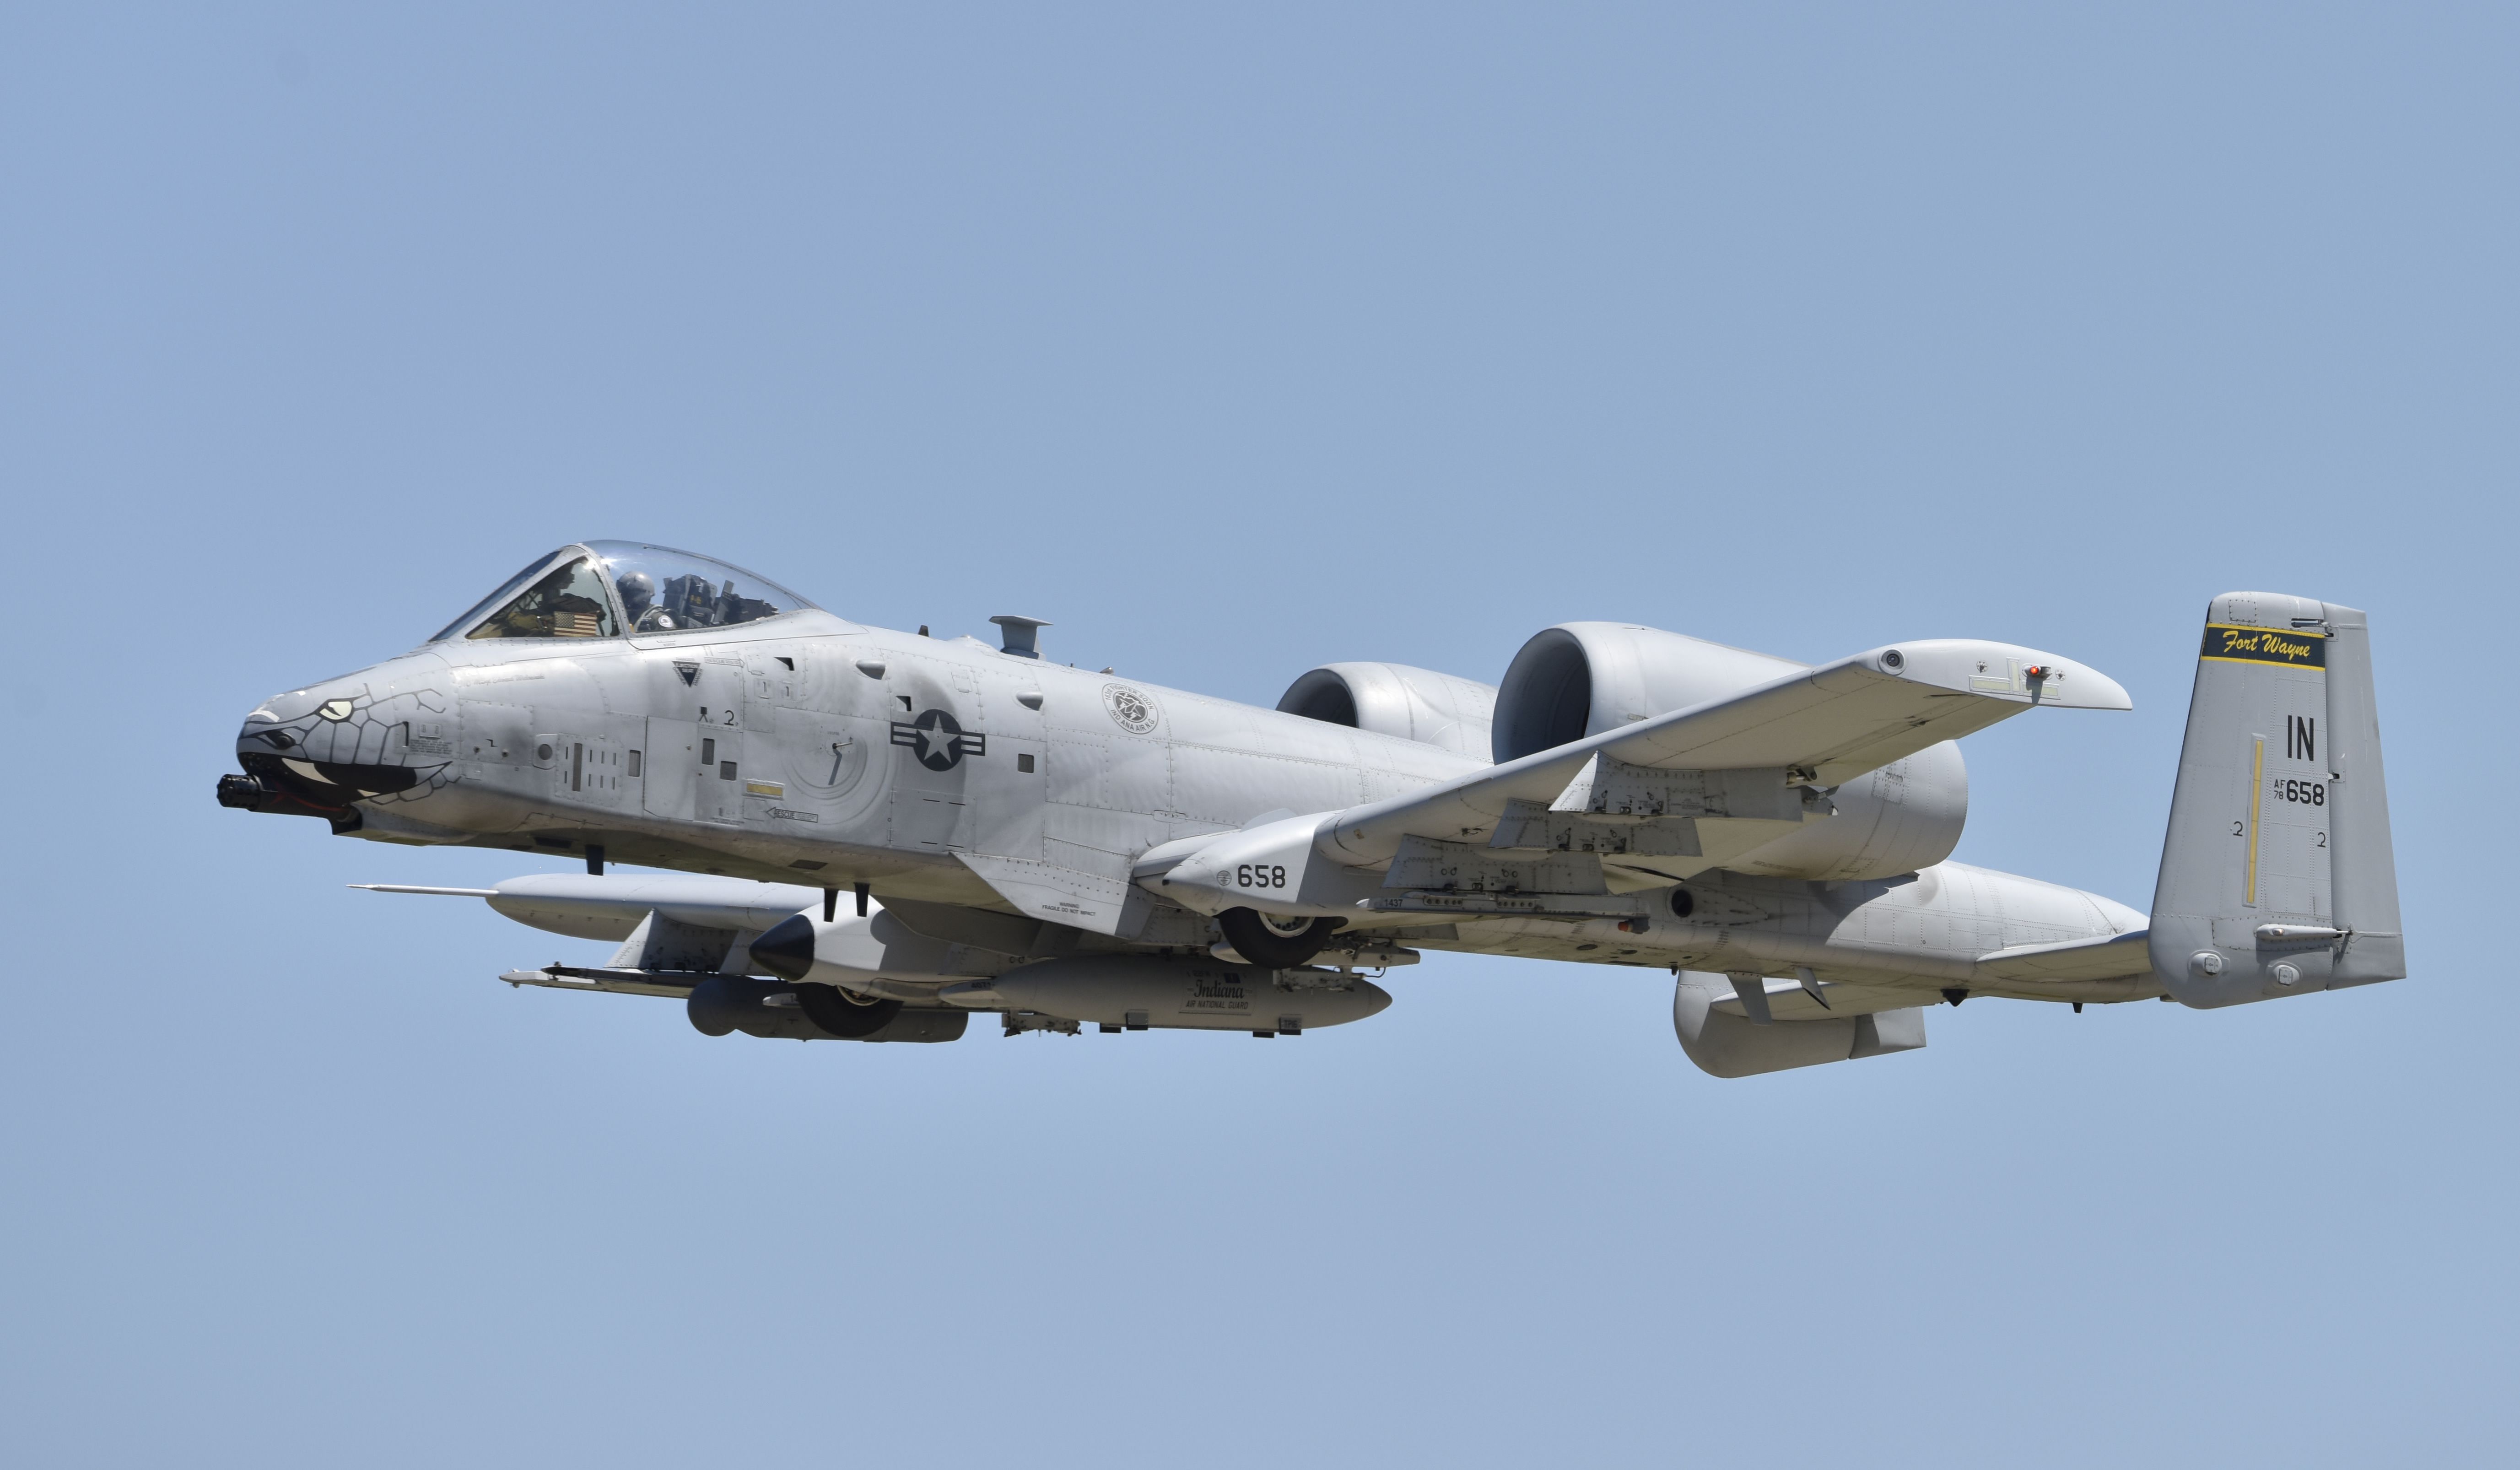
(874, 834)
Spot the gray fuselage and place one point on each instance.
(804, 749)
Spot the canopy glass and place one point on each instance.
(600, 589)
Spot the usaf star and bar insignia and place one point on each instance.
(940, 742)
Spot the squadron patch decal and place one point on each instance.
(1130, 709)
(941, 741)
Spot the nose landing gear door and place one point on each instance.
(670, 770)
(694, 764)
(718, 795)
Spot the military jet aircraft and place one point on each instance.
(1059, 848)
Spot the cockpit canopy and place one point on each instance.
(602, 589)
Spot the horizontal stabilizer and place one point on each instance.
(2117, 956)
(1728, 1046)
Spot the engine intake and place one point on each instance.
(1581, 678)
(1394, 699)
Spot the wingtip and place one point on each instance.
(2090, 689)
(2000, 670)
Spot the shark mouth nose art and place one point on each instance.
(349, 747)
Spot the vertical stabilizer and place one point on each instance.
(2277, 875)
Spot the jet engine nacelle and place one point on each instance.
(1905, 817)
(1169, 991)
(1394, 699)
(1581, 678)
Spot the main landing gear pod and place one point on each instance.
(1275, 941)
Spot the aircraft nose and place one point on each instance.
(336, 724)
(317, 750)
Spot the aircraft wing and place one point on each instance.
(1817, 726)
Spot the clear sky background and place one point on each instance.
(1234, 341)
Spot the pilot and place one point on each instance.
(638, 594)
(639, 599)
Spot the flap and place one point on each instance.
(1828, 724)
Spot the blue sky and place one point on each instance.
(1234, 341)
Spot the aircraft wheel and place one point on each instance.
(842, 1015)
(1278, 943)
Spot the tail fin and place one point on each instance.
(2277, 876)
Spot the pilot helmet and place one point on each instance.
(637, 593)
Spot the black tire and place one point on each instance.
(1256, 940)
(835, 1011)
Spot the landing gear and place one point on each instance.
(842, 1014)
(1278, 943)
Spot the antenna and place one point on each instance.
(1022, 635)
